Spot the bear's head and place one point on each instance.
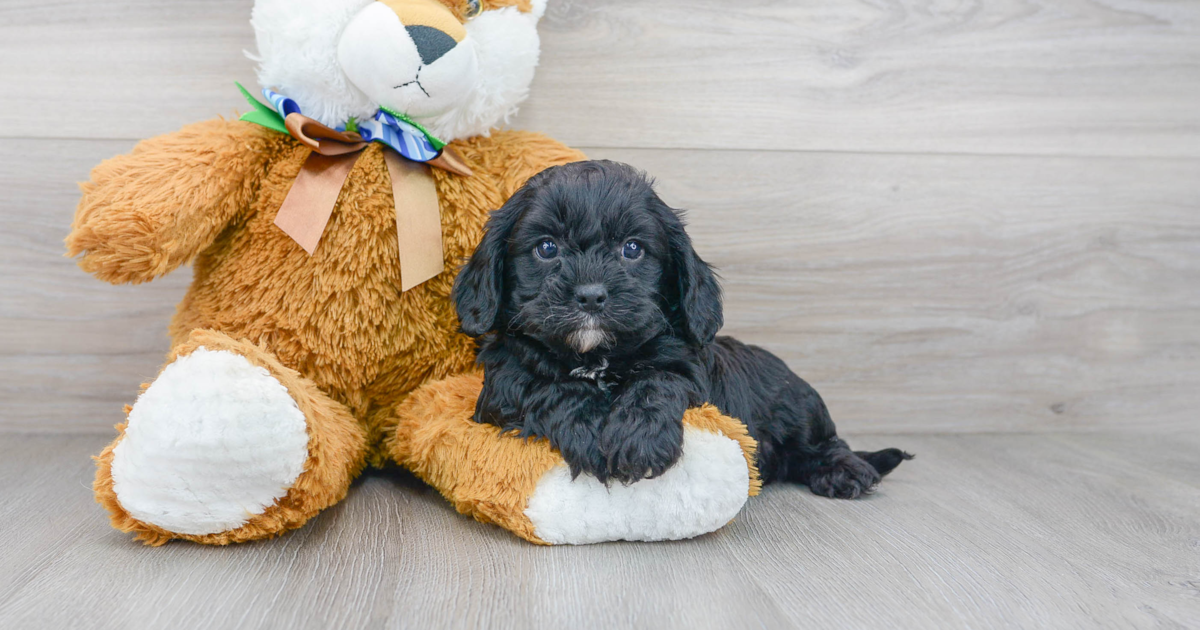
(457, 67)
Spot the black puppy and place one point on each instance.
(597, 328)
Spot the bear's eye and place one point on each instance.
(632, 250)
(473, 8)
(546, 250)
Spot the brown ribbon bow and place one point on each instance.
(309, 204)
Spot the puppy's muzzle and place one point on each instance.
(591, 297)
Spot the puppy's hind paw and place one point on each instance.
(849, 477)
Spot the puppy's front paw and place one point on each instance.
(582, 456)
(639, 446)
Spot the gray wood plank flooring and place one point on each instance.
(1097, 530)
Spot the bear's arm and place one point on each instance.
(148, 212)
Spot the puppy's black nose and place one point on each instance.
(431, 43)
(591, 297)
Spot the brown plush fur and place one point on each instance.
(337, 319)
(488, 475)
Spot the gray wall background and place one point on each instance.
(948, 216)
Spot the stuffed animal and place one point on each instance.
(324, 229)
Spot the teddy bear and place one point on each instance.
(324, 229)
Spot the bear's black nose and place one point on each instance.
(431, 43)
(591, 297)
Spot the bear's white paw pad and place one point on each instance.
(702, 492)
(213, 442)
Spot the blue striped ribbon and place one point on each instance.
(406, 139)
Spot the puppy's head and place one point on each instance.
(586, 256)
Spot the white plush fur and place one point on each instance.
(378, 55)
(211, 443)
(298, 42)
(508, 47)
(701, 493)
(297, 56)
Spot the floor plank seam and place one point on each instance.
(585, 148)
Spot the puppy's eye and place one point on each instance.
(473, 8)
(632, 250)
(546, 250)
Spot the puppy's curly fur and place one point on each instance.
(597, 324)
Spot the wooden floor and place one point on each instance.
(980, 531)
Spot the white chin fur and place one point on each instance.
(587, 339)
(702, 492)
(298, 56)
(211, 443)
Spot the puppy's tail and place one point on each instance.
(884, 461)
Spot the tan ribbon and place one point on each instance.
(309, 204)
(420, 233)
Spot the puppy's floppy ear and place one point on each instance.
(699, 308)
(479, 287)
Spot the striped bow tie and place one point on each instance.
(309, 204)
(393, 129)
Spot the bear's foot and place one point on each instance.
(213, 442)
(702, 492)
(525, 487)
(225, 445)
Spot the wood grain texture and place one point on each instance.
(949, 216)
(958, 292)
(1078, 531)
(73, 350)
(1074, 77)
(120, 68)
(940, 293)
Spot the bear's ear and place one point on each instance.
(479, 287)
(507, 49)
(534, 8)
